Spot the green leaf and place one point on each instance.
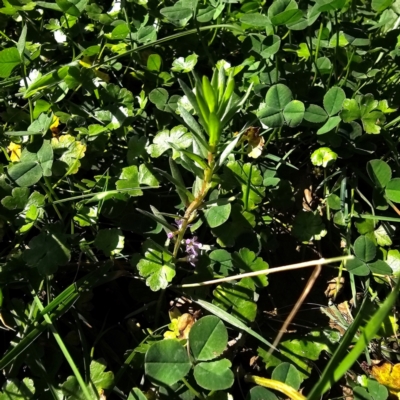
(250, 180)
(50, 79)
(271, 45)
(17, 200)
(247, 261)
(98, 377)
(324, 65)
(342, 360)
(146, 176)
(22, 41)
(323, 156)
(99, 381)
(237, 299)
(333, 100)
(178, 135)
(357, 267)
(350, 110)
(228, 150)
(261, 393)
(86, 216)
(72, 7)
(373, 391)
(221, 261)
(14, 389)
(120, 32)
(195, 129)
(214, 375)
(287, 373)
(315, 114)
(209, 96)
(332, 123)
(166, 362)
(270, 116)
(176, 13)
(208, 338)
(9, 59)
(47, 251)
(392, 190)
(381, 5)
(110, 241)
(294, 113)
(379, 173)
(380, 267)
(330, 5)
(71, 150)
(393, 260)
(364, 248)
(25, 173)
(136, 394)
(154, 63)
(371, 120)
(159, 98)
(45, 157)
(185, 64)
(255, 19)
(42, 124)
(284, 12)
(382, 237)
(299, 352)
(230, 319)
(278, 96)
(217, 215)
(156, 266)
(308, 226)
(129, 179)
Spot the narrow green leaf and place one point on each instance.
(228, 150)
(158, 219)
(341, 362)
(209, 95)
(214, 126)
(191, 155)
(195, 129)
(22, 41)
(230, 319)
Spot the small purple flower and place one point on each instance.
(170, 235)
(193, 246)
(178, 223)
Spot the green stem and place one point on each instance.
(65, 351)
(192, 389)
(195, 204)
(167, 39)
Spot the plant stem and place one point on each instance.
(268, 271)
(287, 390)
(64, 350)
(192, 389)
(195, 204)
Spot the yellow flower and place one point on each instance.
(15, 150)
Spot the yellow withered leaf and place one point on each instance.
(87, 63)
(255, 142)
(387, 374)
(15, 150)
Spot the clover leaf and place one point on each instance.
(156, 267)
(47, 251)
(364, 108)
(178, 135)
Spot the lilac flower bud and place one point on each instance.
(170, 235)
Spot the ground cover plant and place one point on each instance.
(199, 199)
